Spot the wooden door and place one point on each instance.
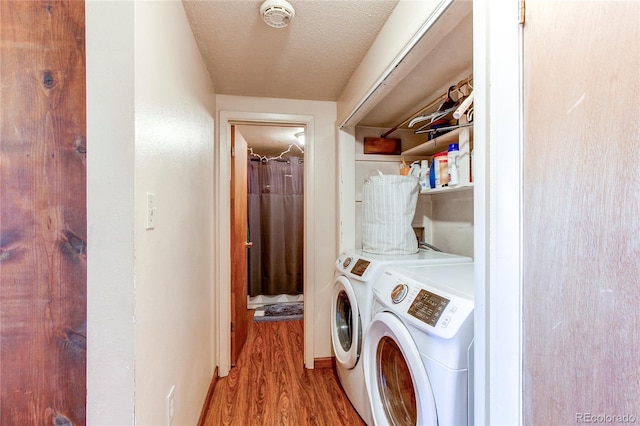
(239, 244)
(43, 216)
(581, 207)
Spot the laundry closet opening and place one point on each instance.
(275, 217)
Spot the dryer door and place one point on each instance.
(396, 378)
(346, 329)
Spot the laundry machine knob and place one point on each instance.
(399, 292)
(347, 262)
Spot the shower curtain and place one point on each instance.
(275, 208)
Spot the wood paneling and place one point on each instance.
(581, 208)
(270, 386)
(43, 244)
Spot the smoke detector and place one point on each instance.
(277, 13)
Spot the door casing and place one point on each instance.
(222, 240)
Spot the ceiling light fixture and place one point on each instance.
(300, 137)
(277, 13)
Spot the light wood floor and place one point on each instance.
(270, 385)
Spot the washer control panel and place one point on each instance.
(357, 268)
(360, 267)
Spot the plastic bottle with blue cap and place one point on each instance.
(453, 160)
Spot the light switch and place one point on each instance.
(151, 211)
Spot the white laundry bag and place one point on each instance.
(388, 207)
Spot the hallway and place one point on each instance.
(270, 385)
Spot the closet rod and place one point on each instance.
(440, 129)
(439, 99)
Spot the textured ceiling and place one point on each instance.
(313, 58)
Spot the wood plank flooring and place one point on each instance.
(270, 386)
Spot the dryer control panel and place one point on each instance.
(428, 307)
(428, 304)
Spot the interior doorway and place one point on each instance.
(228, 120)
(275, 207)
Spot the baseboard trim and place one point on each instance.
(327, 362)
(209, 398)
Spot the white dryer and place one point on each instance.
(418, 350)
(351, 302)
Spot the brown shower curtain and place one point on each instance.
(276, 213)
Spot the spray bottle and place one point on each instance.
(424, 176)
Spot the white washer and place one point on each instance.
(418, 350)
(351, 301)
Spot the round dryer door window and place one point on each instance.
(395, 376)
(395, 384)
(346, 333)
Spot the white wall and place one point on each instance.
(452, 222)
(174, 160)
(321, 157)
(110, 213)
(150, 128)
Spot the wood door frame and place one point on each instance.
(222, 238)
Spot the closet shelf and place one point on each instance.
(441, 143)
(448, 189)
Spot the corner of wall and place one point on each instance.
(110, 212)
